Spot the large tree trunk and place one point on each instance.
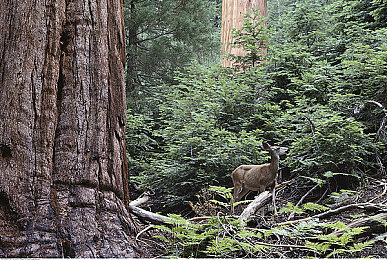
(232, 17)
(63, 169)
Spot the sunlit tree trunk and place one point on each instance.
(232, 17)
(63, 169)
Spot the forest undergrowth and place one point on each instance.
(320, 90)
(351, 225)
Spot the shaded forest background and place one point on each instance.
(322, 92)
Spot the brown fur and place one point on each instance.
(257, 177)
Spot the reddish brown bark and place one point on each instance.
(63, 170)
(232, 17)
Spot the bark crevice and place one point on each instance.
(5, 151)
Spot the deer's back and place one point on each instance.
(253, 176)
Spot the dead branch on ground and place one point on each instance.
(259, 201)
(375, 224)
(326, 214)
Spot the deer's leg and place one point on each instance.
(262, 189)
(241, 194)
(275, 208)
(237, 190)
(236, 198)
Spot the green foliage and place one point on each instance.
(252, 39)
(342, 195)
(344, 243)
(163, 36)
(314, 207)
(226, 197)
(225, 194)
(223, 236)
(289, 208)
(204, 134)
(329, 141)
(326, 61)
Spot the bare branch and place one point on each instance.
(329, 213)
(291, 216)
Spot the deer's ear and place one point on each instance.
(265, 146)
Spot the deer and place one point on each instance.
(257, 177)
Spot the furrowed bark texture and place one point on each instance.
(63, 169)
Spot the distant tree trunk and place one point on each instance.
(63, 169)
(232, 17)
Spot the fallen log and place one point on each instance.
(259, 201)
(375, 224)
(139, 201)
(154, 218)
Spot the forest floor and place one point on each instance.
(353, 209)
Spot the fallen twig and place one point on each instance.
(291, 216)
(143, 231)
(280, 245)
(236, 241)
(282, 184)
(325, 192)
(382, 194)
(333, 212)
(199, 218)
